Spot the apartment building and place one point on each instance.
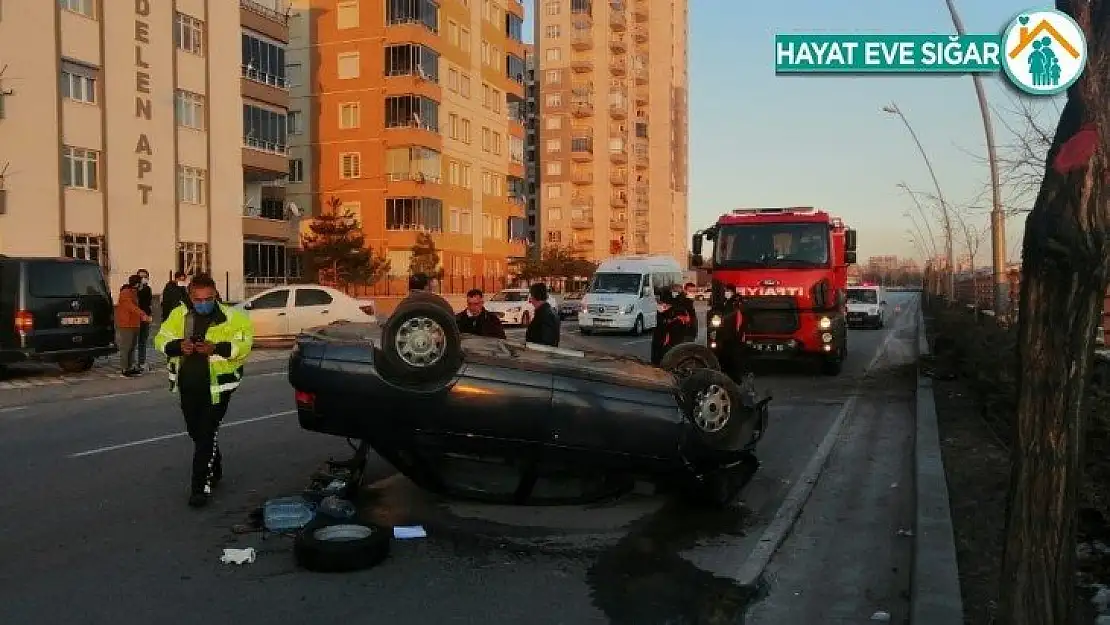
(120, 135)
(418, 125)
(532, 163)
(614, 121)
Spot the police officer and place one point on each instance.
(672, 326)
(207, 344)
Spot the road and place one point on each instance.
(97, 530)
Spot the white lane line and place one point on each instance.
(166, 437)
(266, 375)
(791, 507)
(13, 409)
(114, 395)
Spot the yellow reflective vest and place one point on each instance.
(224, 373)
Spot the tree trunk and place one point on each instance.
(1065, 263)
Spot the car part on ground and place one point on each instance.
(332, 546)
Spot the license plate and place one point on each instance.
(76, 320)
(769, 347)
(603, 322)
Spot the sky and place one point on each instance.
(757, 139)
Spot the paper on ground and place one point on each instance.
(239, 556)
(409, 531)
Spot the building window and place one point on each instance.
(554, 54)
(188, 34)
(552, 31)
(554, 77)
(413, 163)
(554, 145)
(347, 65)
(496, 144)
(78, 82)
(554, 100)
(189, 109)
(412, 60)
(553, 122)
(269, 263)
(82, 7)
(485, 52)
(424, 12)
(414, 213)
(453, 33)
(454, 173)
(350, 115)
(412, 111)
(263, 61)
(464, 86)
(552, 7)
(516, 149)
(295, 120)
(265, 130)
(453, 80)
(296, 170)
(554, 191)
(555, 169)
(346, 14)
(464, 39)
(84, 247)
(192, 258)
(466, 131)
(514, 68)
(190, 185)
(350, 165)
(467, 183)
(272, 208)
(80, 168)
(514, 27)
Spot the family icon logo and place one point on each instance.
(1046, 52)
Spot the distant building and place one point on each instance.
(531, 151)
(882, 264)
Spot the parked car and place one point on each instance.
(421, 395)
(285, 311)
(511, 306)
(55, 310)
(570, 306)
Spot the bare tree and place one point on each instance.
(1065, 264)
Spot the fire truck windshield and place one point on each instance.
(772, 245)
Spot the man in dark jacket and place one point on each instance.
(146, 304)
(175, 293)
(544, 327)
(672, 326)
(476, 319)
(685, 301)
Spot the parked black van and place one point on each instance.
(55, 310)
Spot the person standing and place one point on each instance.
(207, 344)
(129, 320)
(175, 293)
(475, 319)
(544, 327)
(146, 303)
(686, 303)
(671, 326)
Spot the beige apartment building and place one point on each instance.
(613, 144)
(122, 133)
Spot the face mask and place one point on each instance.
(204, 308)
(729, 294)
(182, 283)
(146, 281)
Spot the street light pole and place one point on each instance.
(893, 109)
(998, 219)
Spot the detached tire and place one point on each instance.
(685, 358)
(331, 546)
(721, 413)
(421, 342)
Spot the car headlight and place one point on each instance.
(825, 323)
(715, 321)
(628, 309)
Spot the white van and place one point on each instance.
(621, 295)
(867, 306)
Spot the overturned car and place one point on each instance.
(422, 396)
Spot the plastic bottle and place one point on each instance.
(287, 513)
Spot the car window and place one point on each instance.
(509, 296)
(276, 299)
(64, 280)
(311, 297)
(863, 296)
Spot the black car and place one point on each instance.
(55, 310)
(418, 394)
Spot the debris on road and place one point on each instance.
(881, 617)
(286, 514)
(405, 532)
(905, 533)
(239, 556)
(337, 508)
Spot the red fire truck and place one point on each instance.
(789, 267)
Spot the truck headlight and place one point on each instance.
(827, 338)
(824, 323)
(715, 321)
(628, 309)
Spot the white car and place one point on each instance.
(866, 306)
(285, 311)
(511, 307)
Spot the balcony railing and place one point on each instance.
(619, 179)
(582, 177)
(265, 11)
(617, 44)
(618, 67)
(585, 221)
(582, 39)
(640, 33)
(617, 201)
(582, 109)
(265, 78)
(261, 145)
(618, 223)
(618, 110)
(582, 65)
(640, 10)
(618, 21)
(640, 74)
(618, 156)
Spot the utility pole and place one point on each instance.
(998, 219)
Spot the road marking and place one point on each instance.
(266, 375)
(166, 437)
(638, 341)
(791, 508)
(13, 409)
(114, 395)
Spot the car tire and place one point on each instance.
(407, 339)
(333, 546)
(638, 327)
(76, 365)
(715, 406)
(684, 358)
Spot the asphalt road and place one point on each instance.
(97, 531)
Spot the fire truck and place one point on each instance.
(789, 266)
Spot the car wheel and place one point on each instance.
(328, 546)
(685, 358)
(421, 342)
(715, 405)
(638, 327)
(76, 365)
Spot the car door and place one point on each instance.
(312, 306)
(269, 313)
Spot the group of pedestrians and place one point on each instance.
(135, 315)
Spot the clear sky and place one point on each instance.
(757, 139)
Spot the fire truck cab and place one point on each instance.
(789, 268)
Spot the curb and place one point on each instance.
(935, 597)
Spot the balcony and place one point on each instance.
(581, 108)
(617, 44)
(582, 177)
(582, 65)
(640, 75)
(582, 39)
(640, 97)
(640, 10)
(618, 67)
(618, 157)
(618, 178)
(617, 201)
(618, 223)
(264, 20)
(618, 110)
(642, 189)
(640, 34)
(618, 20)
(581, 150)
(582, 221)
(582, 246)
(264, 160)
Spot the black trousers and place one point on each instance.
(202, 422)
